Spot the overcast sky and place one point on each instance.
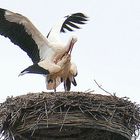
(108, 47)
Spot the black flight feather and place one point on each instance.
(72, 20)
(74, 82)
(67, 84)
(18, 35)
(36, 69)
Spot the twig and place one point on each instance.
(98, 107)
(16, 114)
(94, 116)
(102, 88)
(21, 137)
(12, 135)
(33, 131)
(81, 109)
(64, 118)
(112, 115)
(46, 112)
(55, 107)
(36, 125)
(89, 91)
(24, 119)
(60, 110)
(104, 117)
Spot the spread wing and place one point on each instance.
(68, 23)
(23, 33)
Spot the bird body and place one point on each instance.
(66, 75)
(50, 56)
(53, 80)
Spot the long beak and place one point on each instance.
(67, 52)
(70, 48)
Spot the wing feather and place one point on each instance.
(72, 20)
(67, 23)
(22, 33)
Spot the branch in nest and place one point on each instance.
(64, 118)
(103, 89)
(46, 112)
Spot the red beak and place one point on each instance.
(70, 48)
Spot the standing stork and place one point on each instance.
(49, 55)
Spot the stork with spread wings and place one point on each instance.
(50, 56)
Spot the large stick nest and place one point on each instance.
(74, 115)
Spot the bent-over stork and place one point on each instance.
(50, 56)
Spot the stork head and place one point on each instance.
(67, 50)
(73, 39)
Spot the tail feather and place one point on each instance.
(74, 81)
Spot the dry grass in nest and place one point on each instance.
(64, 115)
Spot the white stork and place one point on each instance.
(50, 56)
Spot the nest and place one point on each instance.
(71, 116)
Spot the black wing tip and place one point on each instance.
(79, 18)
(2, 9)
(67, 83)
(80, 14)
(35, 69)
(2, 12)
(73, 20)
(74, 82)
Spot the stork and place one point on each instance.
(49, 55)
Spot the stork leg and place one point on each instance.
(67, 84)
(54, 90)
(55, 86)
